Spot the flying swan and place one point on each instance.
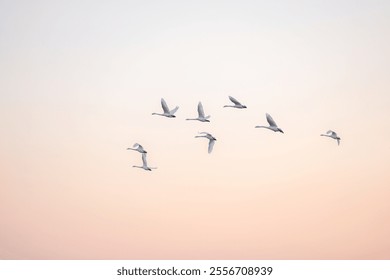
(272, 124)
(167, 113)
(332, 134)
(211, 138)
(236, 103)
(201, 116)
(137, 147)
(145, 164)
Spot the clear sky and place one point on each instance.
(80, 79)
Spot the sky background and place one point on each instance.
(80, 79)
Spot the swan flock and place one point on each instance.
(206, 119)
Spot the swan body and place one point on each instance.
(211, 138)
(237, 104)
(272, 124)
(167, 113)
(137, 147)
(145, 164)
(333, 135)
(201, 116)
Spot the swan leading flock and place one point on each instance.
(202, 118)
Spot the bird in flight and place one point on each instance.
(201, 117)
(167, 113)
(236, 103)
(272, 124)
(332, 134)
(145, 164)
(137, 147)
(211, 138)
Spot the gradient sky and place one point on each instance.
(80, 79)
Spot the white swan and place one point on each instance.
(145, 164)
(167, 113)
(332, 134)
(211, 138)
(272, 124)
(137, 147)
(201, 116)
(236, 103)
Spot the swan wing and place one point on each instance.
(164, 106)
(235, 101)
(206, 134)
(332, 133)
(145, 163)
(174, 110)
(200, 110)
(270, 120)
(211, 145)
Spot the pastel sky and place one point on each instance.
(80, 79)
